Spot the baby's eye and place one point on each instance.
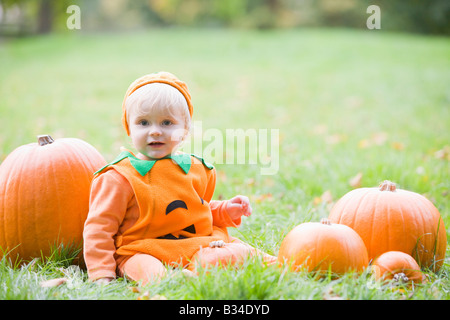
(166, 123)
(143, 122)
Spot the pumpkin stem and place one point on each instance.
(325, 221)
(387, 185)
(45, 139)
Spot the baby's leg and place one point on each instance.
(142, 267)
(267, 258)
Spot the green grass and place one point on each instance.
(344, 102)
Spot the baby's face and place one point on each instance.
(156, 134)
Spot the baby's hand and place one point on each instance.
(239, 206)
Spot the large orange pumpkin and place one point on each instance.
(44, 195)
(323, 246)
(392, 219)
(397, 265)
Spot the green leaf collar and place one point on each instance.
(144, 166)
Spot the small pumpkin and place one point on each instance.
(322, 246)
(219, 254)
(44, 195)
(397, 265)
(392, 219)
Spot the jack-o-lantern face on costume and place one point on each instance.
(180, 205)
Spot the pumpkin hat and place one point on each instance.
(160, 77)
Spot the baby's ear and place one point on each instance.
(187, 133)
(183, 134)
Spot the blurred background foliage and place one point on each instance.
(28, 17)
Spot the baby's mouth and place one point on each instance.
(156, 144)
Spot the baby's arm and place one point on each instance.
(110, 194)
(228, 213)
(239, 206)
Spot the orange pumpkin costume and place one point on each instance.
(160, 209)
(168, 212)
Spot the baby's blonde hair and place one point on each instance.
(159, 95)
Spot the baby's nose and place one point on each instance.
(155, 131)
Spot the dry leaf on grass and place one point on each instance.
(329, 294)
(443, 154)
(355, 182)
(326, 197)
(53, 282)
(135, 289)
(397, 146)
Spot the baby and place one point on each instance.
(155, 207)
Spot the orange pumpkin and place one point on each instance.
(323, 246)
(392, 219)
(397, 265)
(44, 195)
(220, 253)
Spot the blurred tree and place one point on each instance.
(43, 16)
(423, 16)
(35, 16)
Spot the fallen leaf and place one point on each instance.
(327, 197)
(355, 182)
(53, 282)
(317, 201)
(135, 289)
(443, 154)
(397, 146)
(329, 294)
(269, 182)
(250, 182)
(222, 176)
(320, 129)
(335, 138)
(264, 197)
(365, 143)
(379, 138)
